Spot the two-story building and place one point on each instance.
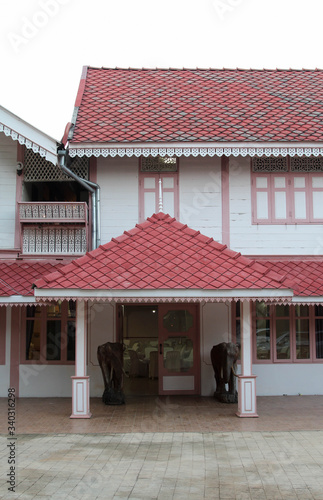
(183, 209)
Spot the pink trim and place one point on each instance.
(225, 197)
(292, 330)
(66, 133)
(43, 319)
(15, 348)
(194, 335)
(290, 191)
(81, 88)
(143, 190)
(293, 258)
(93, 169)
(93, 175)
(3, 322)
(19, 183)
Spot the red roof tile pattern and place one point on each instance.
(205, 105)
(16, 278)
(162, 253)
(305, 276)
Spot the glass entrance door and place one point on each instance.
(179, 356)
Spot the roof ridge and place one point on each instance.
(117, 68)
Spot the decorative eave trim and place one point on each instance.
(307, 300)
(17, 300)
(228, 149)
(21, 131)
(28, 143)
(171, 295)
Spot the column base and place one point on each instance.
(80, 397)
(247, 401)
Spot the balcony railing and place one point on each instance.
(53, 228)
(52, 212)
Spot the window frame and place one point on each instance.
(156, 175)
(290, 191)
(273, 359)
(292, 331)
(43, 318)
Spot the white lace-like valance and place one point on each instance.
(36, 148)
(192, 151)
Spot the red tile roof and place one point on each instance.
(171, 105)
(306, 275)
(16, 278)
(162, 253)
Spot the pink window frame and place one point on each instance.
(292, 318)
(155, 190)
(43, 319)
(290, 199)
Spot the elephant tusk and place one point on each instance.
(234, 373)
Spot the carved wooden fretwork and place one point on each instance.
(270, 164)
(54, 240)
(310, 164)
(158, 164)
(52, 211)
(292, 164)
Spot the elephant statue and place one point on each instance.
(110, 357)
(224, 361)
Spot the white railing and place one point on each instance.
(54, 240)
(53, 228)
(52, 211)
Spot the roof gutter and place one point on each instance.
(93, 188)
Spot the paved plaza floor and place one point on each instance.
(166, 448)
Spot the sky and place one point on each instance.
(45, 43)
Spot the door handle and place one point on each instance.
(160, 348)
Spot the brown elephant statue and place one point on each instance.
(224, 361)
(110, 357)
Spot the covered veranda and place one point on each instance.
(162, 261)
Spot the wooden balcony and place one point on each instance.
(53, 228)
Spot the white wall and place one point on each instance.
(215, 328)
(275, 239)
(41, 381)
(200, 195)
(8, 166)
(118, 180)
(291, 379)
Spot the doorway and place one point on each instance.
(162, 353)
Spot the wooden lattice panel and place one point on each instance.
(38, 169)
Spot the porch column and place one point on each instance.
(81, 382)
(247, 403)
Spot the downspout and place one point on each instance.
(94, 189)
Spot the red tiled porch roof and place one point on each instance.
(162, 253)
(16, 278)
(305, 275)
(210, 105)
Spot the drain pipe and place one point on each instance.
(94, 189)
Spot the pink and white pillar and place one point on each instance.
(247, 402)
(81, 382)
